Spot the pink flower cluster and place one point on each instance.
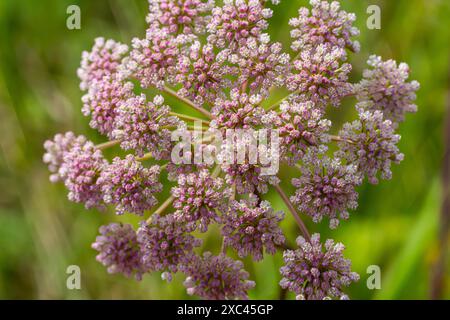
(218, 60)
(101, 79)
(119, 250)
(384, 87)
(319, 75)
(370, 143)
(217, 277)
(180, 16)
(326, 188)
(317, 274)
(129, 185)
(198, 198)
(326, 24)
(250, 228)
(166, 243)
(145, 126)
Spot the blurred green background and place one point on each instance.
(41, 233)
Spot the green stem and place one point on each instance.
(216, 172)
(188, 102)
(279, 102)
(162, 208)
(195, 128)
(340, 139)
(187, 118)
(294, 213)
(223, 248)
(107, 144)
(145, 157)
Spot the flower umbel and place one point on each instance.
(81, 168)
(145, 126)
(216, 163)
(119, 250)
(315, 274)
(326, 188)
(55, 151)
(250, 228)
(166, 243)
(325, 23)
(385, 86)
(129, 185)
(371, 144)
(198, 198)
(217, 277)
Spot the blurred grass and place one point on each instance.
(41, 233)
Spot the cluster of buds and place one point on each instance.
(217, 59)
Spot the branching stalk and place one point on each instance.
(187, 118)
(294, 213)
(188, 102)
(108, 144)
(162, 208)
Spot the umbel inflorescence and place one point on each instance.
(218, 60)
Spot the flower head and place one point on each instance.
(145, 126)
(324, 24)
(180, 16)
(370, 143)
(55, 150)
(300, 126)
(240, 111)
(385, 87)
(248, 178)
(152, 60)
(237, 21)
(203, 74)
(315, 274)
(129, 185)
(102, 101)
(326, 188)
(81, 168)
(119, 250)
(262, 64)
(103, 80)
(250, 228)
(166, 243)
(318, 75)
(198, 198)
(103, 60)
(216, 277)
(216, 57)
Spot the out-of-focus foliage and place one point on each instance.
(41, 232)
